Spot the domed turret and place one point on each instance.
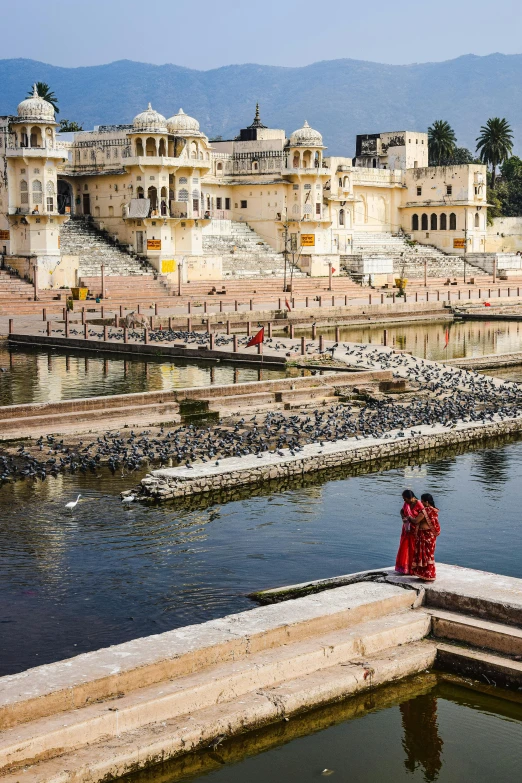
(306, 137)
(183, 125)
(150, 121)
(35, 109)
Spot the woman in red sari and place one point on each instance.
(427, 528)
(409, 512)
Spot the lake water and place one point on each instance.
(425, 729)
(427, 339)
(106, 573)
(48, 376)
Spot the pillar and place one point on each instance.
(303, 346)
(125, 335)
(337, 334)
(234, 343)
(314, 331)
(11, 328)
(228, 327)
(259, 349)
(292, 328)
(44, 314)
(86, 332)
(35, 282)
(146, 336)
(102, 270)
(270, 328)
(385, 337)
(321, 343)
(105, 333)
(49, 328)
(189, 324)
(211, 342)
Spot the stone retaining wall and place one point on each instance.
(169, 484)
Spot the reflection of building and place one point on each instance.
(159, 186)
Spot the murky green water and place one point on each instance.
(424, 729)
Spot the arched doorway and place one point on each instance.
(65, 198)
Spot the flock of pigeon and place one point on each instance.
(439, 395)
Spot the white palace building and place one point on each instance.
(165, 194)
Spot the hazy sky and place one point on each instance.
(205, 34)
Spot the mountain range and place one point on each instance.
(340, 98)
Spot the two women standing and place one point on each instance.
(420, 528)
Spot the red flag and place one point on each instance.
(257, 338)
(446, 338)
(287, 303)
(333, 271)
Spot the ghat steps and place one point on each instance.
(80, 237)
(180, 690)
(245, 254)
(103, 714)
(379, 245)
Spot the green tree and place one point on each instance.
(511, 168)
(494, 144)
(442, 142)
(44, 91)
(66, 126)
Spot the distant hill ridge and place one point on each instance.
(338, 97)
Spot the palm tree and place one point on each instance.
(45, 92)
(442, 141)
(495, 143)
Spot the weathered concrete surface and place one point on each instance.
(108, 713)
(169, 483)
(79, 681)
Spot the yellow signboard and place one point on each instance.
(153, 244)
(168, 265)
(4, 234)
(307, 240)
(459, 243)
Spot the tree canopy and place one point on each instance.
(495, 144)
(442, 142)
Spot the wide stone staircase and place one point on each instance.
(13, 288)
(245, 253)
(80, 237)
(407, 257)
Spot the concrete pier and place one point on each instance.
(104, 714)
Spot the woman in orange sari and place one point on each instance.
(409, 512)
(427, 528)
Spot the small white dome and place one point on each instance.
(150, 121)
(183, 125)
(35, 109)
(306, 136)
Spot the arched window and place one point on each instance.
(340, 182)
(163, 192)
(111, 211)
(295, 160)
(24, 140)
(477, 220)
(152, 194)
(443, 222)
(183, 194)
(424, 222)
(433, 222)
(161, 151)
(453, 222)
(140, 193)
(255, 165)
(24, 194)
(193, 150)
(36, 137)
(37, 191)
(139, 148)
(50, 188)
(341, 217)
(295, 209)
(219, 167)
(414, 222)
(150, 147)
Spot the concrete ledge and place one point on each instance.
(79, 681)
(170, 483)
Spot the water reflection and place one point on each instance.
(428, 339)
(49, 376)
(450, 734)
(107, 573)
(421, 740)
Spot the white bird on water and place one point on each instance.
(128, 499)
(73, 503)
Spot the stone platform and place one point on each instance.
(104, 714)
